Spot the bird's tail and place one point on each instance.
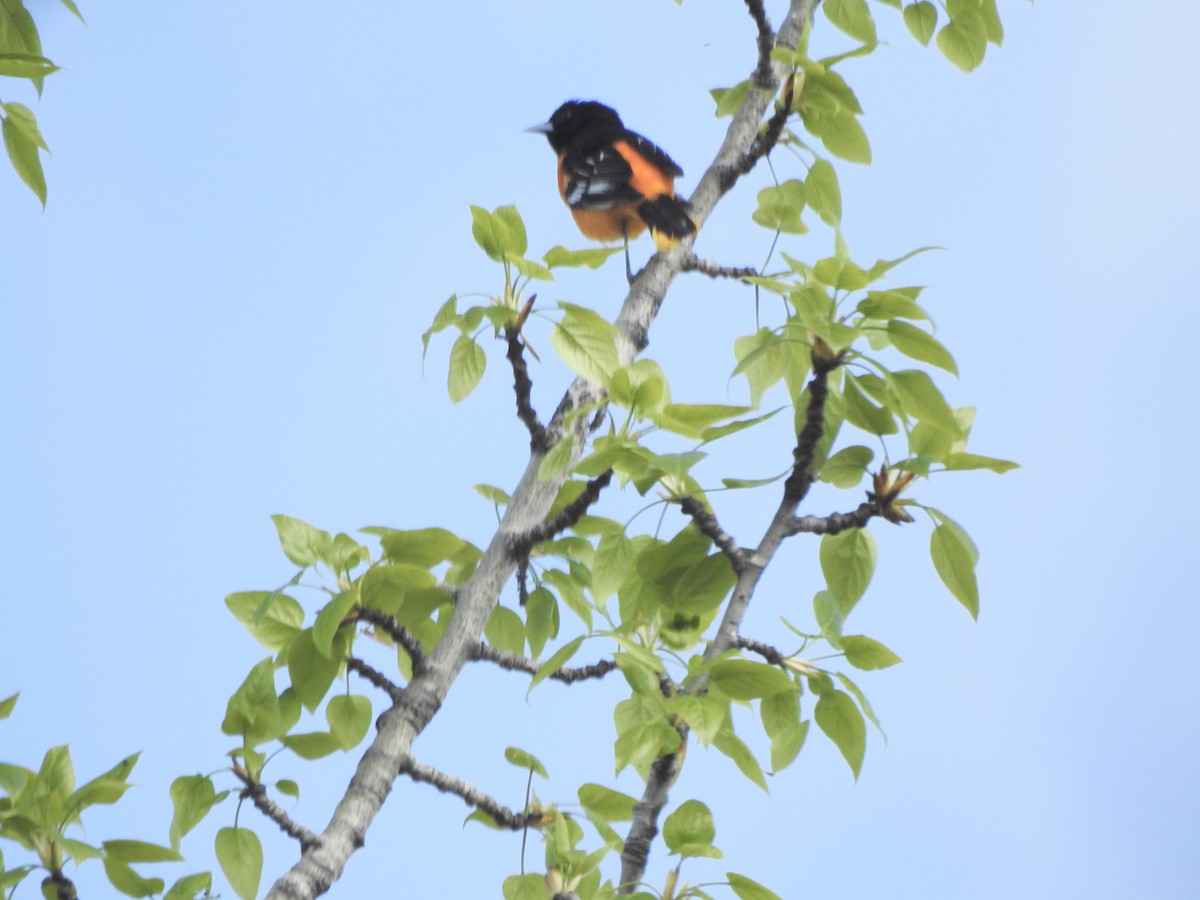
(668, 220)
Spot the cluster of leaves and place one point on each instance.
(21, 57)
(39, 809)
(963, 38)
(688, 833)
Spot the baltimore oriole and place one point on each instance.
(615, 182)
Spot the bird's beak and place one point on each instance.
(544, 128)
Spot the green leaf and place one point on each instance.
(843, 724)
(253, 710)
(104, 789)
(866, 653)
(26, 65)
(541, 620)
(920, 398)
(956, 462)
(991, 19)
(586, 343)
(853, 17)
(467, 364)
(695, 419)
(57, 774)
(301, 543)
(749, 890)
(954, 557)
(311, 671)
(703, 715)
(240, 854)
(744, 679)
(190, 886)
(963, 40)
(862, 413)
(730, 100)
(781, 721)
(505, 631)
(499, 232)
(921, 19)
(609, 805)
(140, 852)
(7, 705)
(288, 788)
(556, 460)
(841, 274)
(840, 132)
(733, 747)
(129, 882)
(349, 718)
(446, 316)
(312, 744)
(846, 468)
(858, 695)
(556, 661)
(527, 761)
(525, 887)
(493, 494)
(827, 610)
(592, 258)
(779, 207)
(848, 562)
(894, 304)
(19, 128)
(192, 797)
(822, 192)
(689, 831)
(919, 344)
(331, 618)
(528, 268)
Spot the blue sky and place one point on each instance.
(256, 209)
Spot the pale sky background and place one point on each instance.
(255, 210)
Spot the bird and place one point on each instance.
(615, 182)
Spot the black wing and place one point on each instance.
(598, 180)
(654, 153)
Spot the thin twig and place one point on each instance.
(256, 793)
(514, 663)
(693, 263)
(834, 523)
(766, 42)
(567, 516)
(711, 529)
(376, 678)
(397, 633)
(798, 483)
(523, 388)
(471, 795)
(766, 651)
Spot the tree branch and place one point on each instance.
(801, 479)
(513, 663)
(766, 651)
(471, 795)
(256, 793)
(693, 263)
(523, 388)
(531, 501)
(398, 633)
(376, 678)
(834, 523)
(711, 529)
(567, 516)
